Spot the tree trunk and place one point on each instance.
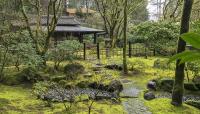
(125, 39)
(178, 89)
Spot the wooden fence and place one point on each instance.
(98, 52)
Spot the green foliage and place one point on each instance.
(192, 39)
(73, 70)
(17, 49)
(161, 36)
(194, 67)
(189, 55)
(64, 51)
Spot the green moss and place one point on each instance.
(163, 106)
(17, 100)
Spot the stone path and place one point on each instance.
(133, 105)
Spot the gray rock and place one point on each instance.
(149, 96)
(115, 85)
(151, 85)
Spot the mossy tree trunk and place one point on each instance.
(125, 69)
(178, 89)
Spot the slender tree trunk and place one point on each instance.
(125, 39)
(178, 89)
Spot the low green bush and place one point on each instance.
(137, 65)
(73, 70)
(30, 75)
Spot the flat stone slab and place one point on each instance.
(133, 105)
(129, 89)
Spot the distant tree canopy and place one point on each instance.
(112, 13)
(173, 9)
(140, 14)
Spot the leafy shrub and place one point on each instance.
(64, 51)
(161, 36)
(41, 87)
(73, 70)
(30, 75)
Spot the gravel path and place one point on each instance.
(133, 105)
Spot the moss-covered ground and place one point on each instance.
(18, 99)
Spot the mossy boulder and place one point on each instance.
(152, 85)
(114, 67)
(73, 70)
(166, 84)
(83, 84)
(58, 78)
(149, 96)
(115, 85)
(65, 84)
(191, 86)
(99, 86)
(193, 103)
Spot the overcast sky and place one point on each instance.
(152, 8)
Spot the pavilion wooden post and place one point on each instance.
(154, 52)
(55, 41)
(145, 50)
(98, 51)
(84, 51)
(129, 49)
(95, 38)
(80, 38)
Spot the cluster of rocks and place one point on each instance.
(60, 95)
(166, 85)
(92, 90)
(185, 97)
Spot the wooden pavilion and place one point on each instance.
(68, 26)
